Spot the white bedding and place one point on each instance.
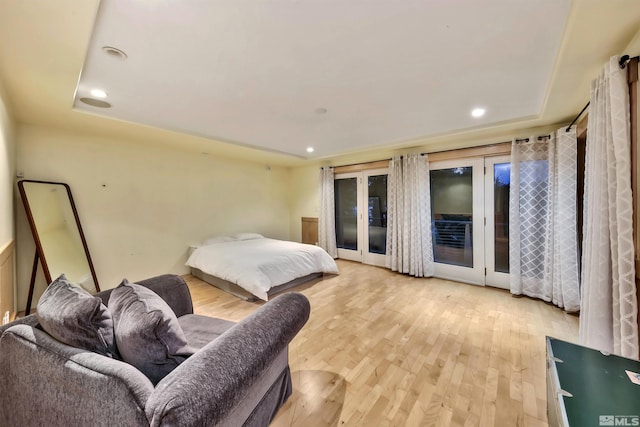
(259, 264)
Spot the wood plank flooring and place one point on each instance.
(385, 349)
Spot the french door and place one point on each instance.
(470, 219)
(457, 214)
(361, 216)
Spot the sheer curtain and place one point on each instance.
(327, 216)
(409, 248)
(608, 319)
(543, 246)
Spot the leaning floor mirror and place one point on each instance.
(60, 243)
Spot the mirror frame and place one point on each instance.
(39, 250)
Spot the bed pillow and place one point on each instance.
(248, 236)
(218, 239)
(75, 317)
(147, 331)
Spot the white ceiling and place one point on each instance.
(214, 75)
(263, 73)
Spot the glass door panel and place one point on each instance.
(376, 226)
(501, 173)
(457, 209)
(452, 213)
(347, 213)
(497, 183)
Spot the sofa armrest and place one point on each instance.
(207, 386)
(45, 382)
(30, 320)
(171, 288)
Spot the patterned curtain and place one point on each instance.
(608, 319)
(327, 217)
(543, 247)
(409, 248)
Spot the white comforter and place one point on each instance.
(257, 265)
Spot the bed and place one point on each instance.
(252, 266)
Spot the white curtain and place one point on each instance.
(543, 247)
(327, 216)
(608, 318)
(409, 248)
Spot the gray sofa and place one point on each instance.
(239, 375)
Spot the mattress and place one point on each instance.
(259, 264)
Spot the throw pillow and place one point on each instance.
(248, 236)
(218, 239)
(147, 331)
(75, 317)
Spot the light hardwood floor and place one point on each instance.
(385, 349)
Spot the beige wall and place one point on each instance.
(141, 206)
(305, 197)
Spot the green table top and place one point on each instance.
(599, 385)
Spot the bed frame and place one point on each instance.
(236, 290)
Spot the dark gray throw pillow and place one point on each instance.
(75, 317)
(147, 331)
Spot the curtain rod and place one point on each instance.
(540, 138)
(464, 148)
(624, 60)
(577, 117)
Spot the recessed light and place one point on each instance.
(95, 102)
(478, 112)
(98, 93)
(114, 52)
(310, 150)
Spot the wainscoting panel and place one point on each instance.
(309, 230)
(6, 281)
